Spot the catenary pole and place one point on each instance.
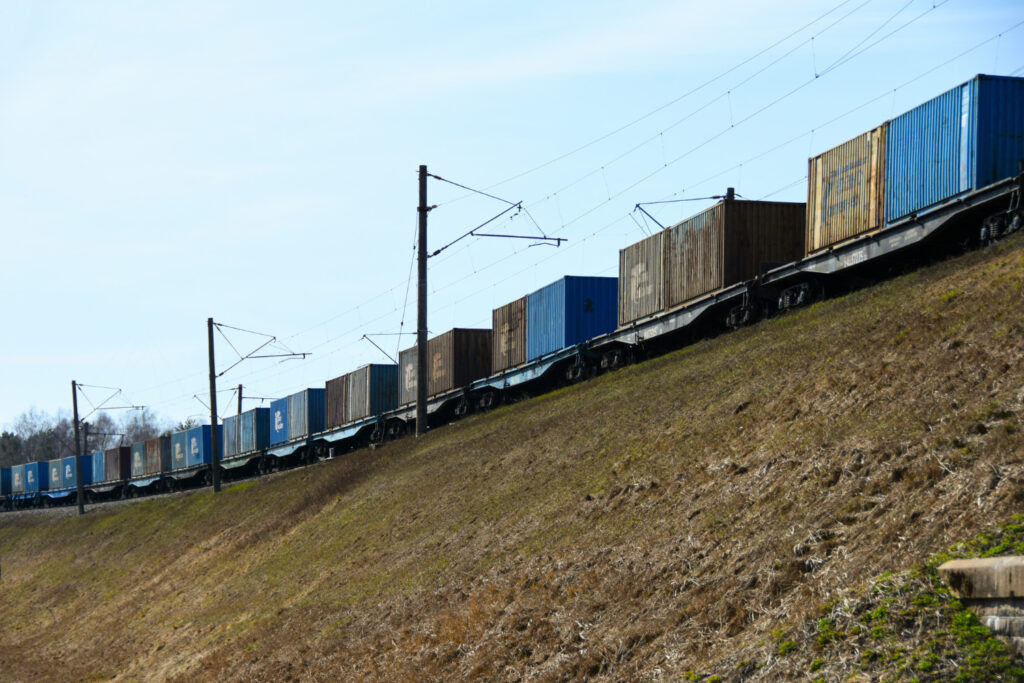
(78, 450)
(421, 317)
(214, 445)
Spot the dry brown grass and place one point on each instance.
(651, 522)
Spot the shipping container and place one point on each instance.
(119, 463)
(17, 479)
(508, 346)
(279, 421)
(362, 393)
(456, 357)
(845, 191)
(99, 468)
(68, 478)
(179, 450)
(306, 412)
(200, 445)
(640, 279)
(53, 468)
(158, 455)
(37, 477)
(5, 481)
(963, 140)
(138, 459)
(230, 437)
(569, 311)
(254, 430)
(730, 242)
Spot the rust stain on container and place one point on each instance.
(456, 358)
(846, 190)
(508, 348)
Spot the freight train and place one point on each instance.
(947, 173)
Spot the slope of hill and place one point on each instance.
(733, 509)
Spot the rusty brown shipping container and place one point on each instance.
(456, 357)
(367, 391)
(158, 455)
(846, 190)
(118, 463)
(508, 346)
(730, 242)
(640, 279)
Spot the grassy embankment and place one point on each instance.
(763, 504)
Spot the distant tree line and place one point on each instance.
(37, 435)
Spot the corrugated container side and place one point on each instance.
(230, 433)
(158, 455)
(200, 445)
(179, 450)
(139, 459)
(119, 463)
(759, 235)
(508, 324)
(17, 479)
(5, 481)
(336, 390)
(457, 357)
(641, 289)
(99, 468)
(695, 255)
(69, 468)
(370, 390)
(569, 311)
(845, 190)
(37, 477)
(279, 421)
(999, 129)
(254, 434)
(53, 468)
(306, 413)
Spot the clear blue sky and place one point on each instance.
(256, 161)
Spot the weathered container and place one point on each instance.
(732, 241)
(138, 459)
(158, 455)
(37, 477)
(254, 430)
(118, 463)
(231, 437)
(17, 479)
(179, 450)
(457, 357)
(69, 469)
(640, 279)
(845, 191)
(5, 481)
(964, 139)
(53, 471)
(279, 421)
(508, 345)
(306, 412)
(200, 449)
(569, 311)
(362, 393)
(99, 468)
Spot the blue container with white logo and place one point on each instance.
(570, 311)
(179, 450)
(278, 421)
(254, 431)
(69, 468)
(963, 140)
(53, 473)
(199, 445)
(17, 479)
(37, 477)
(306, 413)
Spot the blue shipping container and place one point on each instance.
(139, 459)
(99, 468)
(306, 413)
(53, 467)
(278, 421)
(37, 477)
(17, 479)
(179, 450)
(199, 445)
(68, 479)
(963, 140)
(254, 434)
(5, 481)
(230, 437)
(570, 311)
